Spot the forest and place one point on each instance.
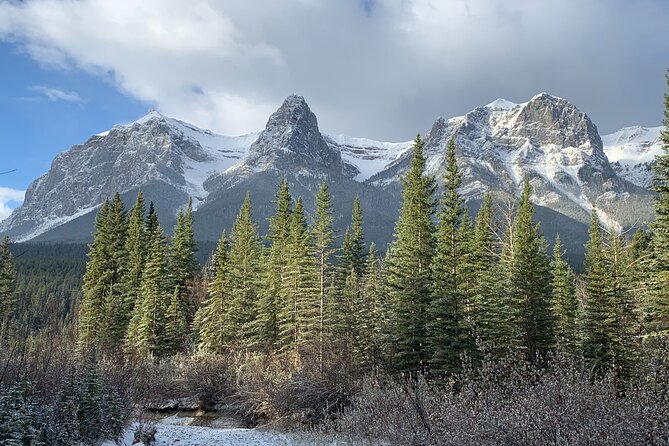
(466, 330)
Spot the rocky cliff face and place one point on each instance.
(632, 152)
(546, 139)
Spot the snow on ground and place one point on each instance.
(632, 150)
(176, 430)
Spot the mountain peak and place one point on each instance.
(151, 115)
(501, 104)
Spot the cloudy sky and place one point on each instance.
(383, 69)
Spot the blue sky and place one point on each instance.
(383, 69)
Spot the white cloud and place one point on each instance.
(9, 199)
(384, 68)
(54, 94)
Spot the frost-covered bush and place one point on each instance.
(508, 403)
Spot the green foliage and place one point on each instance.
(145, 332)
(244, 275)
(182, 264)
(102, 318)
(449, 334)
(210, 322)
(7, 286)
(564, 302)
(136, 248)
(530, 279)
(598, 323)
(274, 271)
(409, 262)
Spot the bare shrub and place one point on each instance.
(507, 404)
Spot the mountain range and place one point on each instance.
(547, 139)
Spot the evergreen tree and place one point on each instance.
(377, 318)
(102, 319)
(448, 331)
(564, 302)
(151, 220)
(244, 273)
(323, 236)
(267, 325)
(211, 320)
(409, 262)
(176, 325)
(298, 313)
(530, 279)
(7, 287)
(658, 305)
(598, 329)
(136, 248)
(353, 248)
(625, 342)
(145, 332)
(182, 264)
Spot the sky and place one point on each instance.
(382, 69)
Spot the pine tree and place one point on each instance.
(353, 248)
(377, 317)
(136, 248)
(564, 302)
(409, 268)
(267, 325)
(176, 325)
(298, 313)
(145, 332)
(448, 330)
(7, 287)
(244, 273)
(182, 264)
(211, 320)
(102, 319)
(625, 342)
(323, 236)
(598, 323)
(151, 220)
(658, 304)
(530, 278)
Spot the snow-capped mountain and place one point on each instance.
(632, 152)
(546, 138)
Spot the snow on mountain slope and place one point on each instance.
(369, 157)
(632, 152)
(222, 152)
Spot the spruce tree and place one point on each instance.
(7, 287)
(145, 332)
(102, 318)
(182, 264)
(620, 282)
(176, 325)
(598, 323)
(298, 314)
(658, 304)
(244, 272)
(323, 236)
(136, 248)
(448, 331)
(530, 279)
(353, 248)
(267, 325)
(409, 263)
(211, 320)
(377, 318)
(564, 301)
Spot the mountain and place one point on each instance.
(546, 138)
(632, 152)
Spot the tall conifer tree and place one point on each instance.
(409, 263)
(244, 273)
(136, 247)
(211, 320)
(448, 331)
(267, 324)
(530, 279)
(658, 304)
(598, 323)
(564, 302)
